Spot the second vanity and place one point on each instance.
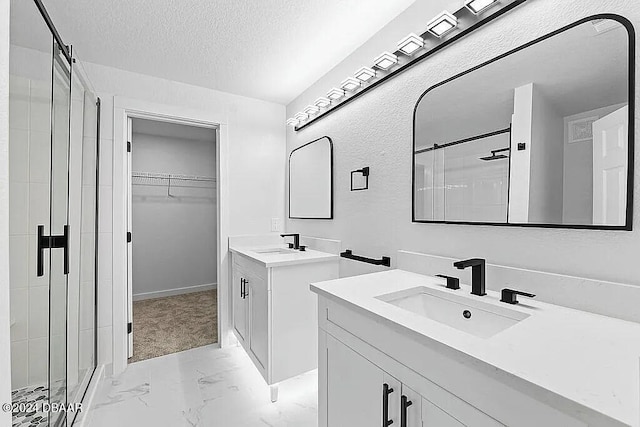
(399, 348)
(274, 312)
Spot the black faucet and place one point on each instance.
(296, 240)
(452, 282)
(477, 274)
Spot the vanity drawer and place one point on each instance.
(250, 266)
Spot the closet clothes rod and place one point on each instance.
(177, 177)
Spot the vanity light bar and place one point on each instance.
(478, 6)
(335, 93)
(350, 84)
(292, 122)
(410, 44)
(442, 24)
(311, 110)
(385, 61)
(365, 74)
(322, 102)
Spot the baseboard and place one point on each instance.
(84, 418)
(173, 292)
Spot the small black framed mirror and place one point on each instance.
(542, 136)
(311, 180)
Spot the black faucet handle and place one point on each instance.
(510, 295)
(452, 282)
(303, 248)
(290, 245)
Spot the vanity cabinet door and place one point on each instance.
(239, 304)
(259, 318)
(354, 388)
(411, 409)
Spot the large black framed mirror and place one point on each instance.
(542, 136)
(311, 180)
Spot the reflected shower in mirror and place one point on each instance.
(538, 137)
(311, 180)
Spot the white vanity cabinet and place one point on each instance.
(359, 354)
(275, 313)
(361, 394)
(554, 367)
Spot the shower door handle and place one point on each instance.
(52, 242)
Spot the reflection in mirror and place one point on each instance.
(540, 136)
(311, 180)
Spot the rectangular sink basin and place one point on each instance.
(274, 251)
(463, 313)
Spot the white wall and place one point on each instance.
(256, 162)
(376, 130)
(174, 249)
(5, 357)
(547, 153)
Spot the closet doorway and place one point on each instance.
(172, 239)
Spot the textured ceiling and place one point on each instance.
(267, 49)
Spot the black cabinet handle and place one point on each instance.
(243, 288)
(404, 404)
(386, 391)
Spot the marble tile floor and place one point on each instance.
(202, 387)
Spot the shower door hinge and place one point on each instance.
(128, 237)
(129, 327)
(128, 146)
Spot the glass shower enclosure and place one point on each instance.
(53, 182)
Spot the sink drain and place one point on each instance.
(466, 314)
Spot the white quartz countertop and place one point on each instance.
(286, 256)
(589, 359)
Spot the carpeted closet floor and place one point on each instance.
(172, 324)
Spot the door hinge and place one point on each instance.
(128, 146)
(128, 237)
(129, 327)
